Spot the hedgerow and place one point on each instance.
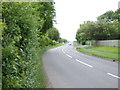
(23, 38)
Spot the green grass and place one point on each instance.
(109, 49)
(38, 75)
(99, 54)
(101, 51)
(77, 44)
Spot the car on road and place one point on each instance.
(69, 43)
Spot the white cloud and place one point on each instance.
(71, 13)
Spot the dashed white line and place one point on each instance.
(84, 63)
(63, 51)
(66, 54)
(113, 75)
(69, 56)
(90, 65)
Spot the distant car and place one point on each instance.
(69, 44)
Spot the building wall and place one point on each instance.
(107, 43)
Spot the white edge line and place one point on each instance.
(113, 75)
(84, 63)
(69, 56)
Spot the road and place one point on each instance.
(67, 68)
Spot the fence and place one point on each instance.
(107, 43)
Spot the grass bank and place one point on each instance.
(77, 44)
(106, 49)
(38, 73)
(101, 52)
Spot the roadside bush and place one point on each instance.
(53, 42)
(23, 43)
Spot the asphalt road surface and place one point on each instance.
(67, 68)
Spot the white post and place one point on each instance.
(90, 43)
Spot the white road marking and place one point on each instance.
(66, 54)
(69, 56)
(63, 51)
(84, 63)
(113, 75)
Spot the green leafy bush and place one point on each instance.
(22, 40)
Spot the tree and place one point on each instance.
(110, 15)
(85, 32)
(53, 34)
(62, 40)
(48, 14)
(99, 30)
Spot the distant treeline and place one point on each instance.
(105, 28)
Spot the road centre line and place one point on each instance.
(113, 75)
(66, 54)
(78, 60)
(69, 56)
(84, 63)
(63, 51)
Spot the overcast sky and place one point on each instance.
(71, 13)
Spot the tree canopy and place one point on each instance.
(53, 34)
(105, 28)
(61, 40)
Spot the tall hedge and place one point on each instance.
(23, 36)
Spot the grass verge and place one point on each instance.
(99, 54)
(37, 70)
(109, 49)
(77, 44)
